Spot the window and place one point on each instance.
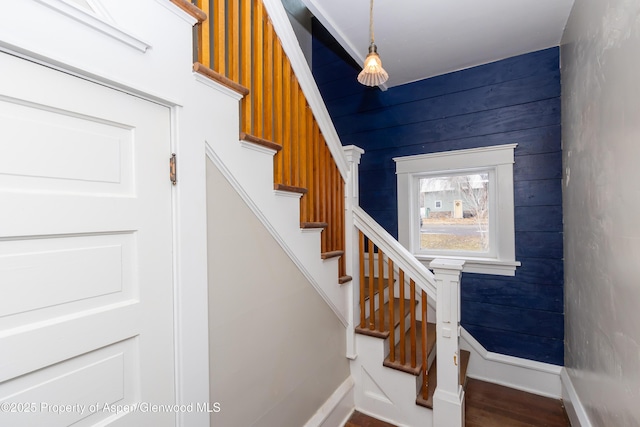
(459, 204)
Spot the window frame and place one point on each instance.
(498, 160)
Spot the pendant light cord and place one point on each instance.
(371, 21)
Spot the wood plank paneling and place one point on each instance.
(546, 192)
(513, 100)
(539, 166)
(530, 141)
(514, 117)
(502, 95)
(526, 346)
(511, 292)
(538, 218)
(531, 322)
(540, 270)
(536, 244)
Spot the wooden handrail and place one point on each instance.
(239, 47)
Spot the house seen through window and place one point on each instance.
(454, 212)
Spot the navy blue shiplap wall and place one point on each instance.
(512, 100)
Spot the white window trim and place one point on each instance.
(499, 159)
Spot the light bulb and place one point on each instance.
(372, 73)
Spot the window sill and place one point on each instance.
(478, 265)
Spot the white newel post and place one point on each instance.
(448, 399)
(351, 195)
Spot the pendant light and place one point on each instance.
(372, 73)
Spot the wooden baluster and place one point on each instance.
(295, 137)
(381, 287)
(361, 255)
(372, 299)
(257, 89)
(278, 77)
(204, 35)
(412, 315)
(327, 198)
(392, 330)
(403, 356)
(245, 65)
(268, 81)
(341, 234)
(303, 146)
(322, 187)
(336, 203)
(317, 170)
(310, 196)
(286, 142)
(423, 331)
(326, 194)
(233, 47)
(220, 37)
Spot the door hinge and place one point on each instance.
(173, 176)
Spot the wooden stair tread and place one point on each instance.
(309, 225)
(406, 367)
(376, 288)
(223, 80)
(332, 254)
(344, 279)
(385, 332)
(433, 379)
(290, 188)
(260, 141)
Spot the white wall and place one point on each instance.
(277, 349)
(601, 142)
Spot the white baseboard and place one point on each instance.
(521, 374)
(572, 404)
(337, 409)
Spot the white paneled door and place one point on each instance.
(86, 289)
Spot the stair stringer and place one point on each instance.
(385, 393)
(249, 169)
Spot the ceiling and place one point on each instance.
(418, 39)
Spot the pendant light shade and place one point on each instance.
(372, 73)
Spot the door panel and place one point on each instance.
(85, 252)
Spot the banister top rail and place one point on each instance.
(393, 249)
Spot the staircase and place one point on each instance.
(395, 336)
(384, 296)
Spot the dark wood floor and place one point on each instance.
(491, 405)
(361, 420)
